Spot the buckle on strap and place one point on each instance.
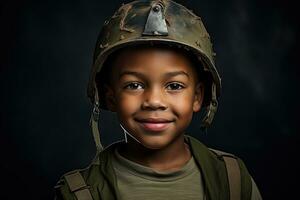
(78, 186)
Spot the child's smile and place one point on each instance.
(155, 92)
(154, 124)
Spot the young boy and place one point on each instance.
(154, 67)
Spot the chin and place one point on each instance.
(153, 146)
(155, 143)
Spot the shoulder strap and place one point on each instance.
(78, 186)
(234, 177)
(233, 174)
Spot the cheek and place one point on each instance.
(128, 104)
(183, 104)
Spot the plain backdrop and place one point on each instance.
(46, 55)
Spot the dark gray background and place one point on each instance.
(46, 54)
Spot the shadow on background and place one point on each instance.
(46, 54)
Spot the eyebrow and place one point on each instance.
(131, 73)
(167, 75)
(176, 73)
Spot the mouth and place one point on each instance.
(154, 124)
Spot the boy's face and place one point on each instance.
(154, 92)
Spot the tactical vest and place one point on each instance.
(225, 176)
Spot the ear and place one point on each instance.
(199, 96)
(110, 98)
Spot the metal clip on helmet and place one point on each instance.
(155, 22)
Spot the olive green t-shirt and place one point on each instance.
(136, 181)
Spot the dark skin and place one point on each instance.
(155, 92)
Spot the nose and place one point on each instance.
(154, 100)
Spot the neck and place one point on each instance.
(171, 157)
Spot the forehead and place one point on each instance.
(152, 59)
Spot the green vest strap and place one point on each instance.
(78, 186)
(84, 194)
(233, 173)
(234, 177)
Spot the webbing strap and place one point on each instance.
(94, 123)
(233, 173)
(95, 132)
(234, 177)
(211, 109)
(78, 186)
(84, 194)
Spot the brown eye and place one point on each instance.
(175, 86)
(134, 86)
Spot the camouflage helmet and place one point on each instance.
(156, 22)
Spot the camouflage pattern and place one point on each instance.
(157, 22)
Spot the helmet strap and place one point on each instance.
(127, 133)
(94, 122)
(211, 109)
